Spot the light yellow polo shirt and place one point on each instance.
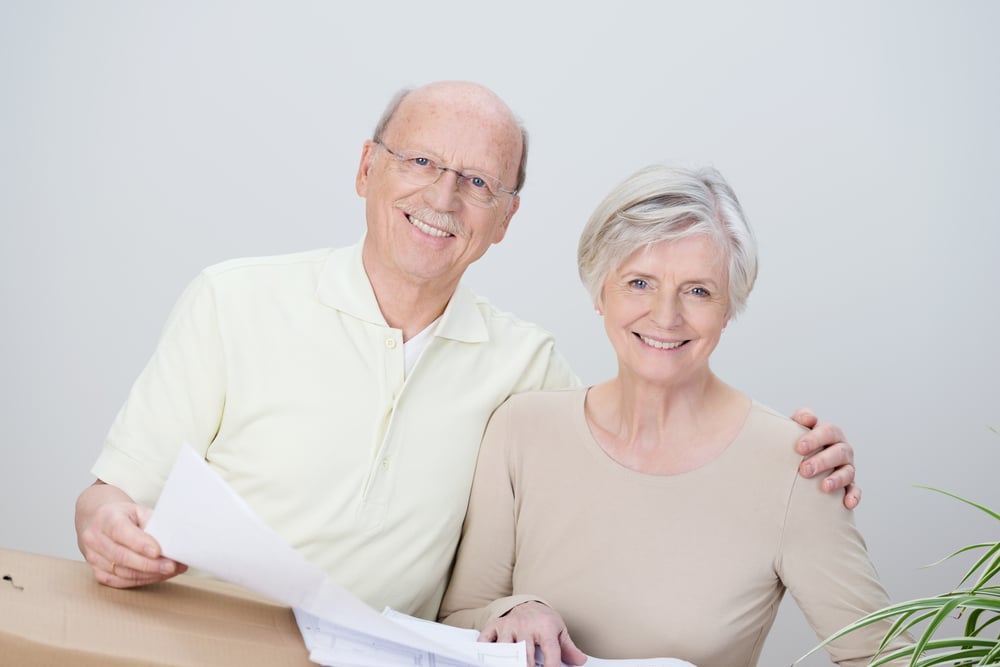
(284, 374)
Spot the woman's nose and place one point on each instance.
(666, 310)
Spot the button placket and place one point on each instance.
(393, 363)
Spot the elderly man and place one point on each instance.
(344, 393)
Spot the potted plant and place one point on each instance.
(976, 601)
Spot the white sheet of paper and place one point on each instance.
(331, 645)
(448, 634)
(200, 521)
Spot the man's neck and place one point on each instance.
(407, 304)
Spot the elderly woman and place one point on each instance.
(623, 505)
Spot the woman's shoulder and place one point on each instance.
(544, 401)
(770, 433)
(766, 418)
(551, 416)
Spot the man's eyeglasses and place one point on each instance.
(475, 188)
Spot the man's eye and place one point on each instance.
(422, 161)
(477, 182)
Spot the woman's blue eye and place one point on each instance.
(699, 291)
(639, 282)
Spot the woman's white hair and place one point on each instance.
(661, 203)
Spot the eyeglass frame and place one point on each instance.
(402, 157)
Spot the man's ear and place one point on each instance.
(367, 159)
(511, 210)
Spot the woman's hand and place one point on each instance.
(827, 450)
(538, 625)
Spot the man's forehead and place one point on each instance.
(460, 135)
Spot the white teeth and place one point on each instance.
(427, 229)
(660, 345)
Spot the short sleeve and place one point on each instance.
(178, 398)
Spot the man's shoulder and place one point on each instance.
(514, 344)
(501, 320)
(272, 274)
(235, 268)
(256, 280)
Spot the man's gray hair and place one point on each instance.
(397, 99)
(662, 203)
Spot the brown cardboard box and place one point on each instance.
(53, 612)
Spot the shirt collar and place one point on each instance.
(344, 285)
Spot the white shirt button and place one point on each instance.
(390, 343)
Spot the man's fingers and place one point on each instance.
(839, 478)
(116, 575)
(853, 496)
(125, 567)
(843, 478)
(129, 534)
(805, 416)
(832, 458)
(133, 564)
(142, 515)
(822, 435)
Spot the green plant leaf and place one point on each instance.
(984, 545)
(993, 514)
(979, 630)
(991, 570)
(981, 563)
(924, 617)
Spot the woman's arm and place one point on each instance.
(482, 579)
(479, 594)
(824, 563)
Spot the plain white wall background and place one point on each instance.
(140, 142)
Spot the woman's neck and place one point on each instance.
(663, 429)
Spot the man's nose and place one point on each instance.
(442, 194)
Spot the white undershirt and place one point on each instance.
(413, 347)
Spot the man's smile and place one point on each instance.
(425, 228)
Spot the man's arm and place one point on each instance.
(109, 532)
(177, 398)
(827, 451)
